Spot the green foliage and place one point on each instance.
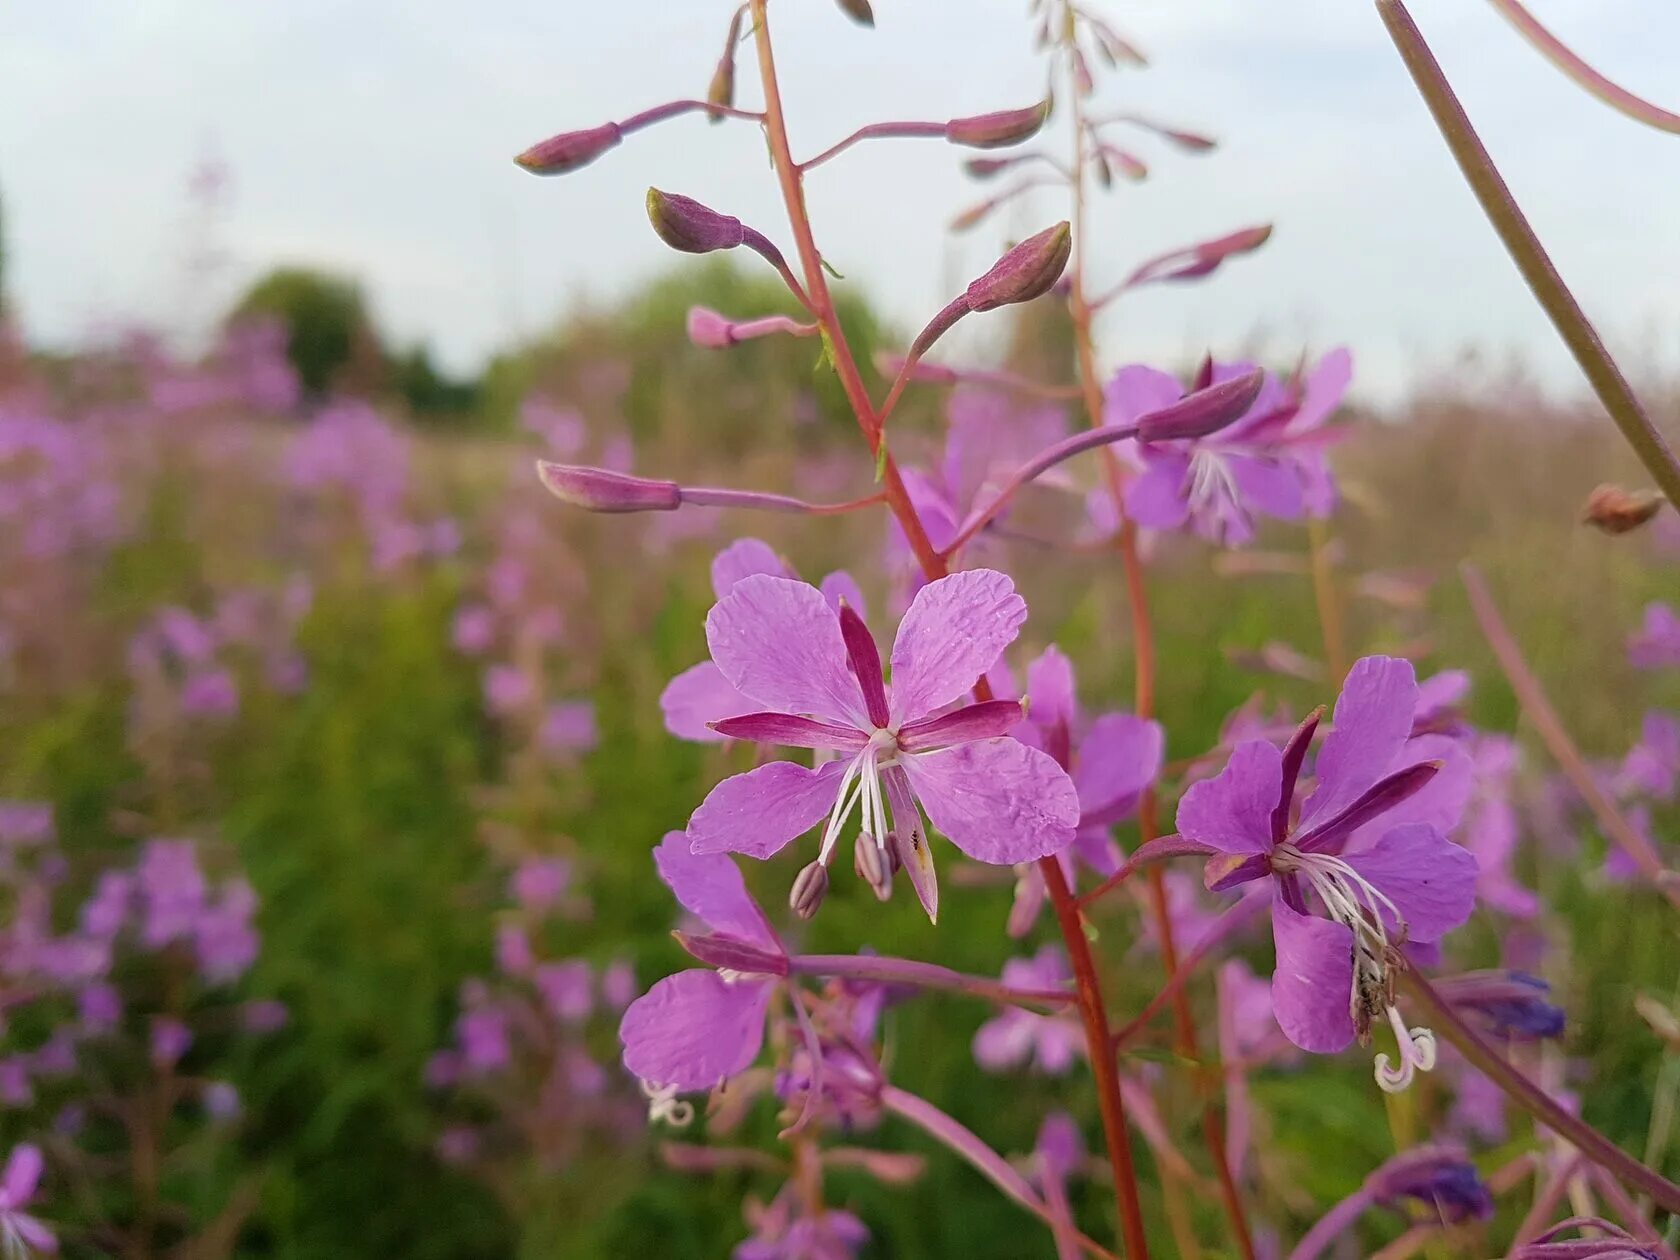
(325, 317)
(428, 394)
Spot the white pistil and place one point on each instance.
(663, 1104)
(860, 786)
(1417, 1054)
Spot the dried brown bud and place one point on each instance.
(1618, 511)
(859, 11)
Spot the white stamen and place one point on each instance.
(663, 1104)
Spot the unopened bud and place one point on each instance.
(1024, 272)
(601, 490)
(721, 90)
(985, 168)
(859, 11)
(710, 330)
(570, 150)
(998, 129)
(1204, 412)
(810, 886)
(873, 866)
(1618, 511)
(686, 225)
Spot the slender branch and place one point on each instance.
(1560, 55)
(882, 131)
(1556, 738)
(1526, 1094)
(1527, 252)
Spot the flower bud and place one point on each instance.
(859, 11)
(710, 330)
(1204, 412)
(570, 150)
(998, 129)
(601, 490)
(1024, 272)
(686, 225)
(730, 954)
(721, 90)
(810, 886)
(1618, 511)
(1439, 1178)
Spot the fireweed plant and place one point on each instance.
(1346, 831)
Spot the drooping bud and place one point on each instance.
(985, 168)
(1440, 1178)
(998, 129)
(810, 886)
(1510, 1004)
(708, 329)
(859, 11)
(729, 953)
(602, 490)
(570, 150)
(1618, 511)
(686, 225)
(1025, 272)
(721, 90)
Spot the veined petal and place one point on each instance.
(1430, 880)
(1232, 812)
(954, 631)
(841, 585)
(709, 886)
(1050, 688)
(986, 720)
(791, 732)
(699, 696)
(1372, 722)
(998, 801)
(1312, 984)
(1121, 756)
(693, 1029)
(758, 812)
(779, 642)
(744, 558)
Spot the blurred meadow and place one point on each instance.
(332, 759)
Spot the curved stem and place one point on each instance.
(1527, 252)
(1560, 55)
(1526, 1094)
(875, 131)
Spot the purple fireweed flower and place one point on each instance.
(1015, 1037)
(784, 1231)
(1657, 644)
(1270, 462)
(1491, 829)
(1653, 764)
(223, 938)
(701, 695)
(699, 1027)
(263, 1016)
(618, 984)
(513, 950)
(568, 728)
(1367, 846)
(1112, 761)
(1440, 1178)
(567, 989)
(507, 690)
(538, 883)
(171, 1039)
(1509, 1004)
(99, 1008)
(221, 1102)
(817, 678)
(481, 1031)
(24, 824)
(475, 630)
(172, 891)
(21, 1233)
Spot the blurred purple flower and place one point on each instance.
(171, 1039)
(1657, 643)
(20, 1232)
(537, 883)
(1021, 1038)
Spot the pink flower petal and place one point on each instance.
(697, 696)
(23, 1172)
(778, 641)
(954, 631)
(1119, 758)
(1431, 880)
(986, 720)
(1051, 690)
(841, 585)
(709, 886)
(1313, 982)
(998, 801)
(1232, 812)
(745, 558)
(758, 812)
(693, 1030)
(1156, 498)
(1372, 722)
(790, 732)
(1135, 391)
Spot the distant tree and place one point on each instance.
(429, 392)
(325, 317)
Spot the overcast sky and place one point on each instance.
(374, 136)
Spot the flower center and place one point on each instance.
(1352, 900)
(860, 787)
(1210, 480)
